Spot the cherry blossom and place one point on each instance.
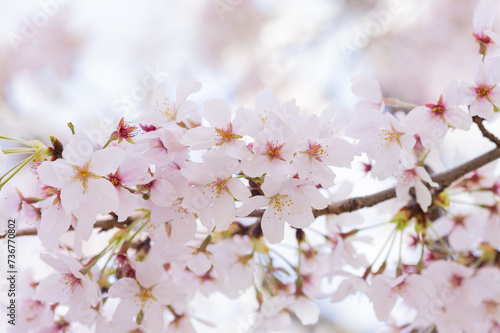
(484, 16)
(167, 110)
(69, 286)
(193, 208)
(432, 121)
(415, 177)
(286, 201)
(483, 95)
(416, 290)
(146, 293)
(224, 132)
(213, 181)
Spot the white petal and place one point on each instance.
(223, 211)
(366, 87)
(217, 112)
(54, 222)
(102, 195)
(273, 226)
(106, 161)
(199, 263)
(125, 287)
(154, 317)
(200, 138)
(300, 221)
(186, 108)
(186, 88)
(163, 193)
(305, 310)
(71, 196)
(147, 274)
(252, 204)
(54, 173)
(183, 229)
(168, 293)
(124, 314)
(484, 15)
(238, 190)
(382, 297)
(424, 175)
(424, 197)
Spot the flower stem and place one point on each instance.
(19, 168)
(107, 143)
(18, 151)
(18, 140)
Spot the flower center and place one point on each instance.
(263, 116)
(226, 135)
(438, 109)
(114, 179)
(316, 151)
(482, 38)
(70, 281)
(82, 175)
(125, 131)
(215, 188)
(280, 202)
(166, 108)
(482, 91)
(144, 298)
(456, 280)
(389, 136)
(274, 151)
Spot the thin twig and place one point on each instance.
(444, 180)
(107, 223)
(487, 134)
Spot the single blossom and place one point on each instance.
(169, 110)
(289, 201)
(222, 132)
(148, 292)
(483, 97)
(214, 187)
(484, 16)
(433, 120)
(414, 177)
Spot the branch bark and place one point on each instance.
(105, 224)
(444, 180)
(487, 134)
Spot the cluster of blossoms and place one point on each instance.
(198, 202)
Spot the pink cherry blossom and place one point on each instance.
(289, 201)
(223, 132)
(483, 96)
(415, 177)
(432, 121)
(147, 292)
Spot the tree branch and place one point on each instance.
(109, 222)
(487, 134)
(444, 180)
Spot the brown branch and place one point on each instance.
(444, 180)
(108, 223)
(487, 134)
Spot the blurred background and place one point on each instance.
(91, 61)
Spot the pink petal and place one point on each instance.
(125, 288)
(71, 195)
(54, 173)
(186, 88)
(272, 226)
(106, 161)
(484, 15)
(217, 112)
